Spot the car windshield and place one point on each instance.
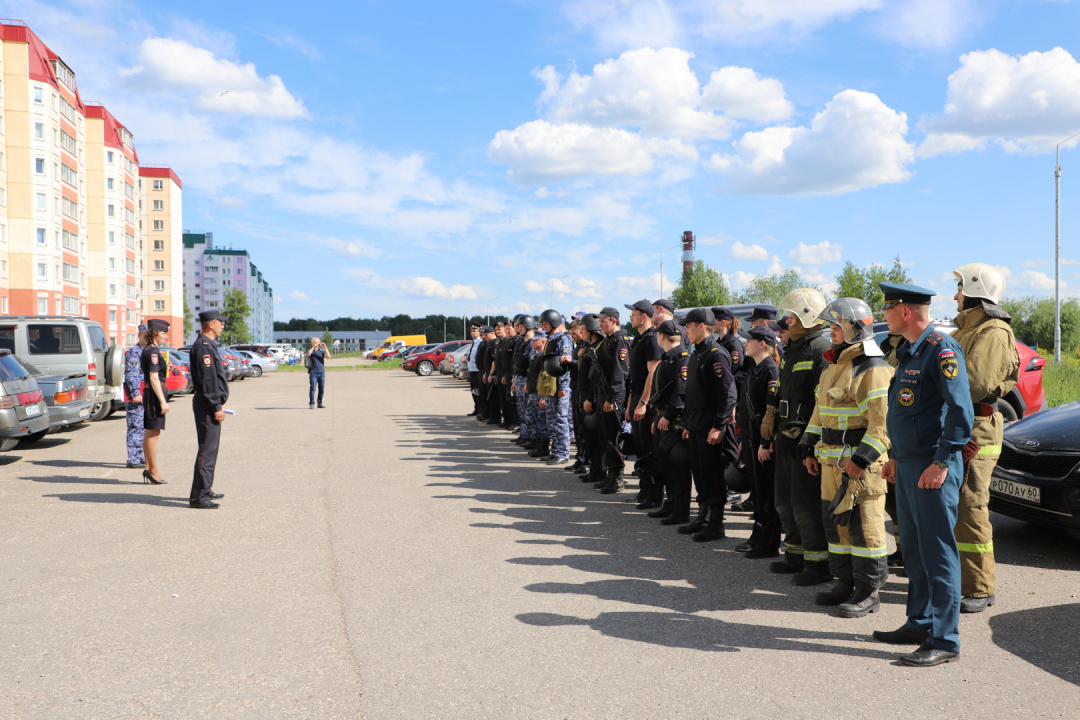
(11, 369)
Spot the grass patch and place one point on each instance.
(1061, 383)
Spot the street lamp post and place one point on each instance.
(487, 305)
(662, 266)
(424, 333)
(1057, 247)
(464, 320)
(553, 281)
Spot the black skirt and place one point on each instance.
(153, 419)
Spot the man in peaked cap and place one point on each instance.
(208, 405)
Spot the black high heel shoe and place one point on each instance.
(148, 478)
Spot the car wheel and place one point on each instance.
(424, 368)
(1008, 412)
(256, 371)
(100, 411)
(34, 437)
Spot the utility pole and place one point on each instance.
(1057, 248)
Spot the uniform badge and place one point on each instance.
(772, 385)
(906, 397)
(734, 357)
(622, 353)
(718, 370)
(949, 366)
(682, 372)
(206, 360)
(153, 358)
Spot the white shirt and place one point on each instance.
(472, 354)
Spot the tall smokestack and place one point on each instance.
(687, 251)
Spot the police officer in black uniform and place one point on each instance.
(668, 398)
(211, 392)
(593, 470)
(613, 357)
(155, 369)
(758, 388)
(727, 329)
(645, 356)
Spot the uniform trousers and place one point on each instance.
(974, 533)
(610, 426)
(557, 417)
(491, 399)
(537, 419)
(857, 553)
(577, 417)
(506, 400)
(521, 400)
(474, 387)
(595, 443)
(707, 463)
(640, 430)
(677, 481)
(208, 431)
(798, 501)
(135, 432)
(931, 558)
(767, 528)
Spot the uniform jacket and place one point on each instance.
(710, 388)
(614, 356)
(585, 382)
(133, 376)
(800, 369)
(154, 362)
(207, 374)
(644, 350)
(930, 413)
(575, 367)
(740, 363)
(558, 345)
(993, 365)
(535, 365)
(759, 385)
(669, 383)
(522, 353)
(853, 399)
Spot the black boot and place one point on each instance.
(541, 449)
(714, 530)
(862, 603)
(613, 483)
(814, 573)
(530, 444)
(699, 522)
(664, 510)
(839, 593)
(647, 497)
(592, 477)
(788, 566)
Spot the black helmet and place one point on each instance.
(626, 444)
(675, 450)
(553, 367)
(737, 478)
(592, 323)
(591, 421)
(552, 317)
(515, 320)
(527, 321)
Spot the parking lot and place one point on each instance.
(387, 557)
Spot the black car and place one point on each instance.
(1037, 478)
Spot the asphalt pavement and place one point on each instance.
(386, 557)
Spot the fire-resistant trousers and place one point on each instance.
(857, 553)
(798, 501)
(974, 534)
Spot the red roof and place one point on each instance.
(39, 55)
(112, 127)
(160, 171)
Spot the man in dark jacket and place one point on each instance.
(609, 392)
(208, 404)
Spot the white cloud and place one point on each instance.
(1024, 103)
(739, 279)
(353, 249)
(739, 93)
(775, 267)
(718, 239)
(297, 295)
(823, 252)
(539, 151)
(220, 85)
(429, 287)
(232, 203)
(534, 287)
(1041, 262)
(855, 142)
(929, 23)
(1037, 281)
(748, 252)
(632, 286)
(278, 299)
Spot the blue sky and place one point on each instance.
(382, 157)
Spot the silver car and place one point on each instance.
(66, 397)
(23, 410)
(259, 363)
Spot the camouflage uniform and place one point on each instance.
(534, 416)
(133, 378)
(557, 412)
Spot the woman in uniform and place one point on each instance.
(668, 396)
(133, 406)
(758, 385)
(155, 368)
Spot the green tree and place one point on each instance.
(1033, 322)
(862, 283)
(770, 289)
(236, 311)
(189, 324)
(328, 338)
(701, 286)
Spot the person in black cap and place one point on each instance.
(668, 400)
(609, 393)
(727, 336)
(758, 388)
(762, 315)
(474, 372)
(645, 355)
(710, 407)
(503, 350)
(662, 310)
(519, 365)
(208, 405)
(155, 369)
(780, 327)
(593, 469)
(490, 401)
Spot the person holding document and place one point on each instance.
(211, 392)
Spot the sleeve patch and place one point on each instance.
(718, 370)
(153, 359)
(206, 360)
(734, 357)
(682, 372)
(622, 353)
(949, 367)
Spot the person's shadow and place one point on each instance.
(1045, 637)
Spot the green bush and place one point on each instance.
(1061, 383)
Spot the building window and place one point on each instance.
(40, 205)
(71, 273)
(109, 183)
(159, 265)
(112, 317)
(41, 236)
(159, 184)
(159, 244)
(39, 131)
(112, 237)
(71, 305)
(129, 240)
(39, 96)
(130, 290)
(43, 306)
(159, 224)
(3, 305)
(112, 263)
(42, 271)
(3, 268)
(111, 211)
(129, 264)
(3, 197)
(112, 289)
(39, 166)
(109, 156)
(159, 286)
(159, 204)
(159, 305)
(3, 233)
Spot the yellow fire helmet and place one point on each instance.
(979, 280)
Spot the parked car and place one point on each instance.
(446, 367)
(1037, 478)
(178, 381)
(259, 363)
(66, 397)
(23, 410)
(1027, 398)
(741, 311)
(241, 364)
(461, 366)
(423, 362)
(65, 345)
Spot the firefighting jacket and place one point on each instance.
(800, 368)
(993, 365)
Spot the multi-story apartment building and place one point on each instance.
(162, 291)
(43, 126)
(209, 273)
(79, 232)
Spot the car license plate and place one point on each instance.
(1016, 490)
(32, 410)
(84, 412)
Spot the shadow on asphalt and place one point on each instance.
(117, 498)
(655, 567)
(1044, 637)
(76, 463)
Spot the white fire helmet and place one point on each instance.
(853, 316)
(804, 303)
(979, 280)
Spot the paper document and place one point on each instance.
(230, 412)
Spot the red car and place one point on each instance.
(1030, 383)
(424, 363)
